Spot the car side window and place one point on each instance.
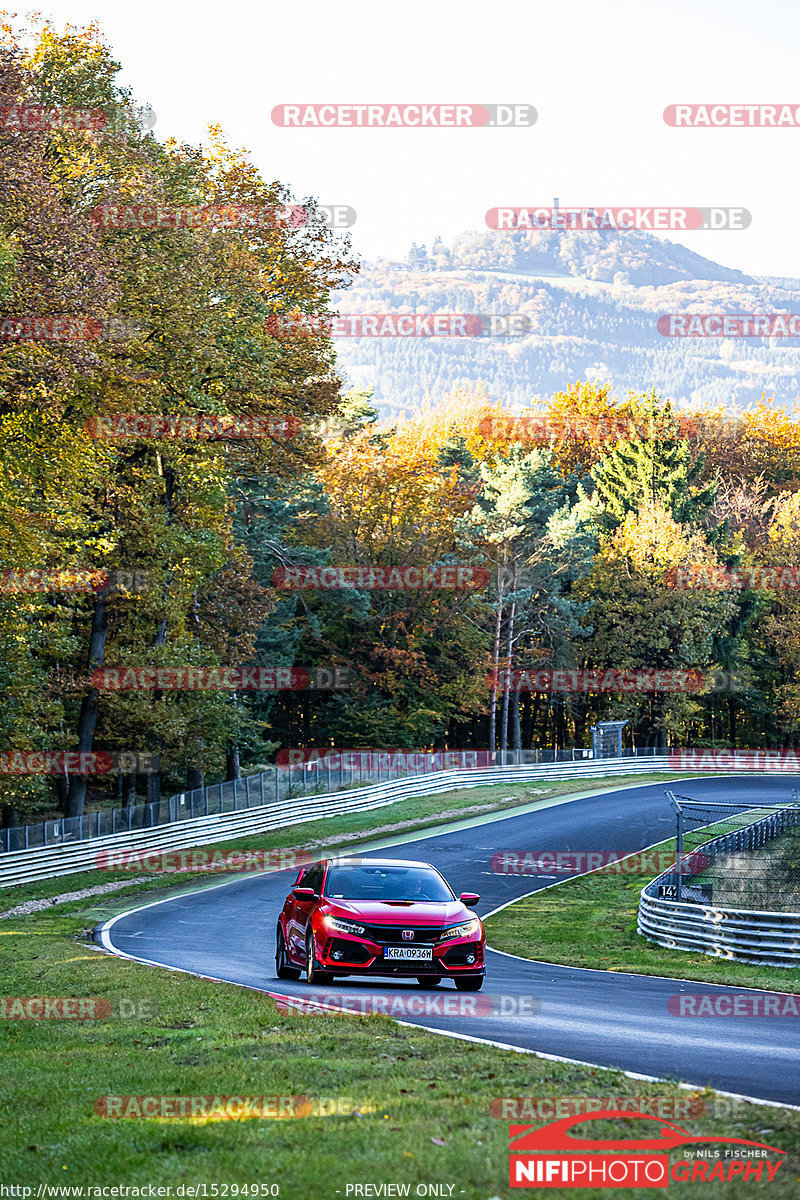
(313, 878)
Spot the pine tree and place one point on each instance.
(654, 468)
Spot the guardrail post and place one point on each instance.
(678, 844)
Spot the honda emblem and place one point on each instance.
(408, 935)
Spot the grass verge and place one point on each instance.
(590, 921)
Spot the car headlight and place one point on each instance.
(468, 929)
(343, 926)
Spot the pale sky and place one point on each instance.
(599, 75)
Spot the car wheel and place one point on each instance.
(429, 980)
(313, 973)
(282, 968)
(471, 983)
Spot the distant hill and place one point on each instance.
(593, 300)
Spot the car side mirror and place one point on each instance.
(303, 893)
(469, 897)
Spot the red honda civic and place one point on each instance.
(379, 916)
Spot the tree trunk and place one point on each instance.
(153, 790)
(516, 731)
(232, 768)
(87, 720)
(510, 661)
(495, 668)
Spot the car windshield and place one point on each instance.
(387, 883)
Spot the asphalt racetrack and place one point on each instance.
(228, 932)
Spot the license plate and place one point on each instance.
(409, 953)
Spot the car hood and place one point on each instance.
(400, 912)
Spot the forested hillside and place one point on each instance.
(593, 301)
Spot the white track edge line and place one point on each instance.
(458, 1036)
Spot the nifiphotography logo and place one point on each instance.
(640, 1162)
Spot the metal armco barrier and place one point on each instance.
(274, 784)
(48, 862)
(281, 782)
(748, 935)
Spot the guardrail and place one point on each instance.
(48, 862)
(747, 935)
(283, 782)
(274, 784)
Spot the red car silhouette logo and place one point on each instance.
(555, 1136)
